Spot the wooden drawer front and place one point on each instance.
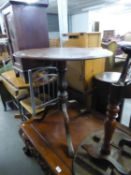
(75, 75)
(93, 67)
(93, 40)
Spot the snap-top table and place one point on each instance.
(61, 55)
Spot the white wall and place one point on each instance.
(118, 21)
(81, 22)
(2, 24)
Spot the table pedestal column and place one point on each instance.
(63, 99)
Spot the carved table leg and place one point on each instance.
(63, 98)
(68, 136)
(62, 101)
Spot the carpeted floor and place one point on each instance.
(13, 161)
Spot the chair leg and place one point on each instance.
(19, 115)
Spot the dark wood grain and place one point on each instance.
(48, 137)
(59, 54)
(30, 23)
(27, 28)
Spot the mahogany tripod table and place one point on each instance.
(61, 55)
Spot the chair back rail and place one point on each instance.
(43, 86)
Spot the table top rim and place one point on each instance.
(66, 53)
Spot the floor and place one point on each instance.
(13, 161)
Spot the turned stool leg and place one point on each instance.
(112, 113)
(109, 127)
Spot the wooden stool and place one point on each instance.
(100, 147)
(101, 86)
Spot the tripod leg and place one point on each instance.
(68, 136)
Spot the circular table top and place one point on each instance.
(108, 77)
(60, 54)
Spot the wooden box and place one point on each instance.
(92, 39)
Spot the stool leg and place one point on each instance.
(112, 113)
(109, 127)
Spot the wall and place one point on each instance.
(119, 22)
(2, 27)
(52, 22)
(81, 22)
(109, 20)
(53, 25)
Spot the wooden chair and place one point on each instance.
(43, 88)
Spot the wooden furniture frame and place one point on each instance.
(62, 55)
(26, 27)
(42, 90)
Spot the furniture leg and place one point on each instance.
(109, 128)
(4, 95)
(4, 103)
(63, 99)
(68, 136)
(112, 113)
